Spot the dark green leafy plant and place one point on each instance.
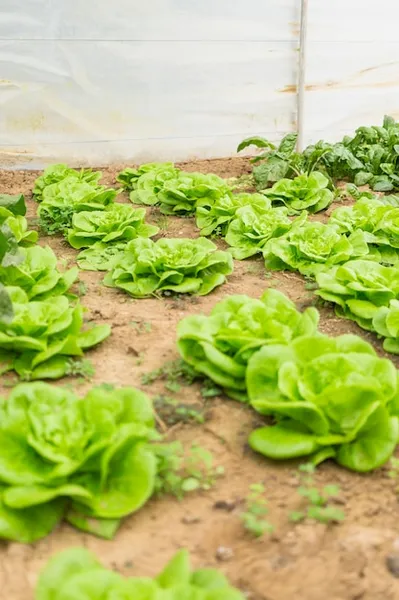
(331, 398)
(87, 460)
(182, 266)
(219, 346)
(76, 573)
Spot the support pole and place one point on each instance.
(302, 76)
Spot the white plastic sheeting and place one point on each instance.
(126, 80)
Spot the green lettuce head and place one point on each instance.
(131, 179)
(59, 172)
(331, 397)
(182, 266)
(305, 192)
(85, 459)
(220, 346)
(117, 222)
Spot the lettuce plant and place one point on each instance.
(365, 214)
(130, 178)
(311, 247)
(331, 397)
(305, 192)
(76, 571)
(181, 265)
(117, 222)
(61, 200)
(359, 288)
(12, 219)
(219, 346)
(13, 203)
(251, 229)
(146, 187)
(56, 173)
(180, 196)
(213, 215)
(83, 459)
(42, 335)
(101, 256)
(37, 273)
(386, 324)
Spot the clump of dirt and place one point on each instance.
(354, 560)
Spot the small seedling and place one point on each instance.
(393, 473)
(172, 411)
(82, 288)
(141, 326)
(256, 509)
(318, 508)
(83, 368)
(179, 473)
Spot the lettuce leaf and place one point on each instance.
(182, 266)
(58, 172)
(131, 178)
(180, 196)
(100, 256)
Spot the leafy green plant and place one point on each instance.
(61, 200)
(183, 266)
(358, 288)
(172, 411)
(311, 247)
(147, 181)
(180, 473)
(100, 256)
(87, 460)
(77, 572)
(181, 196)
(251, 229)
(386, 324)
(277, 161)
(37, 274)
(12, 218)
(115, 223)
(305, 192)
(14, 203)
(331, 397)
(213, 215)
(59, 172)
(220, 345)
(256, 509)
(318, 501)
(42, 335)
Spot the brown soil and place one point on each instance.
(309, 561)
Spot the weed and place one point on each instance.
(82, 288)
(318, 508)
(393, 473)
(256, 509)
(140, 358)
(172, 411)
(83, 368)
(174, 371)
(141, 326)
(178, 473)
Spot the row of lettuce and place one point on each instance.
(42, 327)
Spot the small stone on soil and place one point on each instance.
(190, 520)
(223, 553)
(392, 563)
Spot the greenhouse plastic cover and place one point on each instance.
(100, 81)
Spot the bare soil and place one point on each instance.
(310, 561)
